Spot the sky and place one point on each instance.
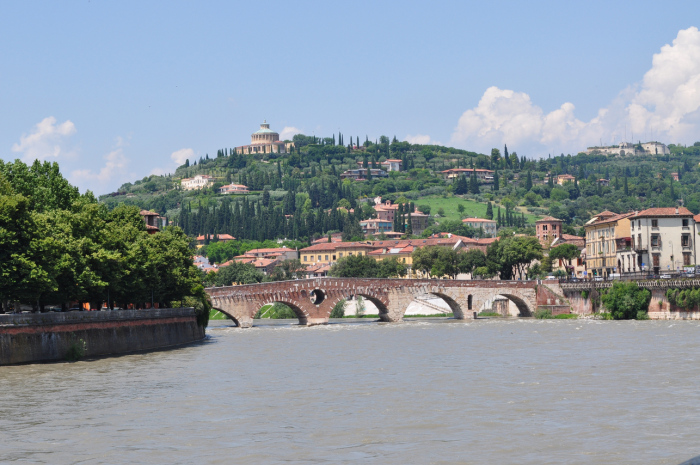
(116, 91)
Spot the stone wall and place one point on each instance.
(35, 337)
(313, 299)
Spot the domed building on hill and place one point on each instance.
(264, 140)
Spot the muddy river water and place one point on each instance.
(419, 392)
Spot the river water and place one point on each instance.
(420, 392)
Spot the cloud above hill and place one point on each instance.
(666, 102)
(47, 140)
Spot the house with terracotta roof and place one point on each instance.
(482, 175)
(654, 240)
(547, 230)
(663, 240)
(488, 226)
(202, 239)
(376, 226)
(564, 178)
(151, 220)
(234, 189)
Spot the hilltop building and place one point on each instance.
(200, 181)
(264, 140)
(627, 148)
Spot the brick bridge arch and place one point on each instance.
(391, 296)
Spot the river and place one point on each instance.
(420, 392)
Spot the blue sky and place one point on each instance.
(115, 91)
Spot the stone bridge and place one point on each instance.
(313, 299)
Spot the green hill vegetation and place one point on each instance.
(300, 195)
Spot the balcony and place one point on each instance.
(641, 248)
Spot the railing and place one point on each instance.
(631, 276)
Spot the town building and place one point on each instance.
(606, 233)
(234, 189)
(151, 220)
(203, 238)
(376, 226)
(604, 182)
(547, 230)
(360, 174)
(663, 239)
(264, 140)
(200, 181)
(488, 226)
(564, 178)
(392, 164)
(481, 174)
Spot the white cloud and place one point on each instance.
(47, 140)
(180, 156)
(665, 104)
(288, 132)
(116, 164)
(422, 139)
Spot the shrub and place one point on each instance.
(584, 294)
(76, 350)
(338, 309)
(543, 313)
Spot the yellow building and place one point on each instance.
(331, 252)
(605, 234)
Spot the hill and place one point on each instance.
(300, 195)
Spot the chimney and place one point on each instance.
(676, 210)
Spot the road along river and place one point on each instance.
(422, 392)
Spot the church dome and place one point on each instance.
(265, 129)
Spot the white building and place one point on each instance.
(627, 148)
(198, 182)
(489, 226)
(663, 239)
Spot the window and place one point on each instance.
(639, 241)
(655, 259)
(685, 223)
(340, 255)
(544, 227)
(326, 257)
(685, 240)
(654, 223)
(305, 257)
(654, 240)
(686, 259)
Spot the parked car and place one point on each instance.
(665, 276)
(597, 278)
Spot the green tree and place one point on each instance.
(626, 301)
(528, 181)
(238, 273)
(489, 211)
(565, 252)
(460, 208)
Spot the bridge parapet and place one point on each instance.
(313, 299)
(645, 283)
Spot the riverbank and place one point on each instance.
(41, 337)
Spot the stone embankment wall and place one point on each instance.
(37, 337)
(551, 296)
(659, 306)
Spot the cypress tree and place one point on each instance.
(496, 181)
(499, 221)
(627, 192)
(489, 211)
(528, 181)
(474, 187)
